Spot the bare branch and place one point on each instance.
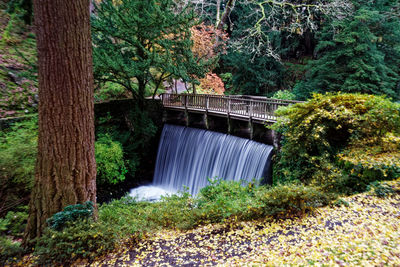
(284, 15)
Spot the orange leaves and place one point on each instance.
(212, 84)
(208, 42)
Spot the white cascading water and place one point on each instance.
(187, 157)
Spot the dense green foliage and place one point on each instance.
(18, 155)
(381, 189)
(109, 161)
(21, 8)
(322, 137)
(356, 52)
(12, 226)
(133, 131)
(109, 91)
(14, 222)
(83, 239)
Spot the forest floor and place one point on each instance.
(363, 231)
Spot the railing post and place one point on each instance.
(251, 108)
(207, 102)
(185, 97)
(229, 105)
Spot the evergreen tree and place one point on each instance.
(140, 42)
(358, 54)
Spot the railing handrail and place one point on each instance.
(243, 97)
(247, 106)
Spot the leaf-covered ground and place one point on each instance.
(364, 231)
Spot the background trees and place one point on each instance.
(138, 43)
(358, 54)
(322, 46)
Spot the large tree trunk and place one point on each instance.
(65, 167)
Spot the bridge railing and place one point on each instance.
(245, 106)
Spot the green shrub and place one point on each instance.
(327, 129)
(288, 200)
(78, 239)
(223, 199)
(174, 211)
(127, 216)
(341, 202)
(110, 161)
(9, 251)
(17, 163)
(69, 214)
(14, 222)
(81, 237)
(227, 79)
(381, 189)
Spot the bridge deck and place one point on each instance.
(257, 109)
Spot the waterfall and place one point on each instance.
(187, 157)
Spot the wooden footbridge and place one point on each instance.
(245, 108)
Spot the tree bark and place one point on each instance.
(141, 91)
(65, 167)
(218, 13)
(225, 16)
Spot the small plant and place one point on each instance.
(174, 211)
(78, 239)
(284, 94)
(381, 190)
(14, 222)
(223, 199)
(287, 200)
(341, 202)
(9, 251)
(6, 37)
(227, 79)
(70, 214)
